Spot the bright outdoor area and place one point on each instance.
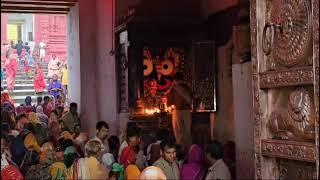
(34, 56)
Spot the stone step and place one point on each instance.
(21, 86)
(23, 81)
(24, 92)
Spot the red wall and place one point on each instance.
(52, 30)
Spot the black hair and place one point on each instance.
(39, 99)
(215, 150)
(30, 127)
(101, 124)
(46, 98)
(22, 115)
(133, 131)
(66, 143)
(167, 142)
(73, 105)
(113, 142)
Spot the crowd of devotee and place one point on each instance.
(28, 58)
(45, 140)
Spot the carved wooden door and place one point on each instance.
(285, 64)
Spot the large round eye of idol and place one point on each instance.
(167, 67)
(147, 67)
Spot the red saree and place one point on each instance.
(39, 83)
(11, 71)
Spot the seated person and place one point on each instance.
(55, 87)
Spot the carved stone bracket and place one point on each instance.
(299, 151)
(292, 77)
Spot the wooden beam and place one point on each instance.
(34, 3)
(34, 8)
(33, 12)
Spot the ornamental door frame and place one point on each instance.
(275, 88)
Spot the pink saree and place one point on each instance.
(11, 71)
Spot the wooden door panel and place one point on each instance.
(285, 64)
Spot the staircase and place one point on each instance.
(24, 86)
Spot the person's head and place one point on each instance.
(214, 152)
(60, 111)
(22, 117)
(195, 154)
(114, 143)
(102, 129)
(46, 99)
(73, 108)
(62, 125)
(55, 77)
(168, 150)
(152, 172)
(30, 127)
(93, 149)
(77, 128)
(133, 136)
(70, 154)
(54, 115)
(39, 100)
(3, 143)
(28, 100)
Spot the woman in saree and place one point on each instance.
(194, 168)
(90, 167)
(5, 99)
(39, 83)
(11, 70)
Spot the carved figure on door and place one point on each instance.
(297, 121)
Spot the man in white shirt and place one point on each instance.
(42, 47)
(102, 129)
(218, 169)
(31, 45)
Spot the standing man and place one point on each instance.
(102, 129)
(42, 47)
(218, 169)
(181, 97)
(167, 162)
(31, 47)
(54, 67)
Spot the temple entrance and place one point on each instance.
(248, 69)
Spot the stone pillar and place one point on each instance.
(3, 28)
(73, 60)
(243, 119)
(106, 66)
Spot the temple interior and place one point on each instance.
(245, 73)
